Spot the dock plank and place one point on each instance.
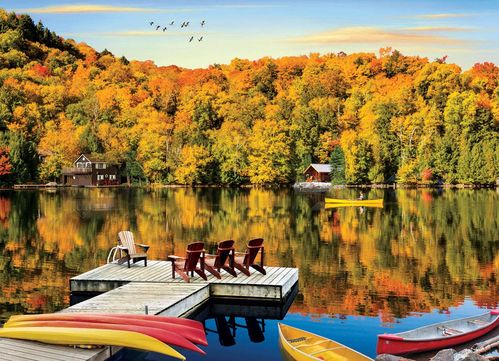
(28, 350)
(56, 350)
(33, 354)
(133, 297)
(280, 277)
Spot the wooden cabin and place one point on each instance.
(318, 173)
(90, 172)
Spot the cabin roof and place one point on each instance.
(92, 158)
(320, 168)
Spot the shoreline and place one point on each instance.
(299, 186)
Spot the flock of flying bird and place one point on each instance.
(184, 24)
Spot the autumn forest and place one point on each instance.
(377, 118)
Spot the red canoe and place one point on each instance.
(192, 334)
(168, 337)
(159, 318)
(439, 335)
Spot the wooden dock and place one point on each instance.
(273, 286)
(135, 289)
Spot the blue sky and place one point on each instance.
(466, 31)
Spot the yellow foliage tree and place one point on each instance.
(270, 153)
(194, 159)
(58, 146)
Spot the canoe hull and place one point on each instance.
(305, 346)
(355, 202)
(397, 345)
(192, 334)
(156, 318)
(170, 338)
(89, 336)
(344, 205)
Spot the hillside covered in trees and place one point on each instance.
(387, 117)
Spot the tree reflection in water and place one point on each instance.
(425, 249)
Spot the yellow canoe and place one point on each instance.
(302, 346)
(90, 336)
(356, 202)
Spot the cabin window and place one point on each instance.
(107, 175)
(100, 176)
(100, 166)
(83, 164)
(112, 177)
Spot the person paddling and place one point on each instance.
(361, 196)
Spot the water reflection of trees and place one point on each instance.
(425, 249)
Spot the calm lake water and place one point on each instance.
(427, 256)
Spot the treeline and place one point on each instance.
(386, 117)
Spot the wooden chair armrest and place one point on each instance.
(240, 253)
(145, 246)
(255, 247)
(122, 247)
(207, 255)
(174, 258)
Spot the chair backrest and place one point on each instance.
(194, 252)
(223, 252)
(254, 247)
(126, 240)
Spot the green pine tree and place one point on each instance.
(337, 166)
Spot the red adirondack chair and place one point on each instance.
(243, 261)
(189, 263)
(225, 254)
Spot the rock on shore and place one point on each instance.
(443, 355)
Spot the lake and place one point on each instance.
(428, 255)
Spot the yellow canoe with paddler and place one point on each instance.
(333, 203)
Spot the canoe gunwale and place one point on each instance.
(284, 339)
